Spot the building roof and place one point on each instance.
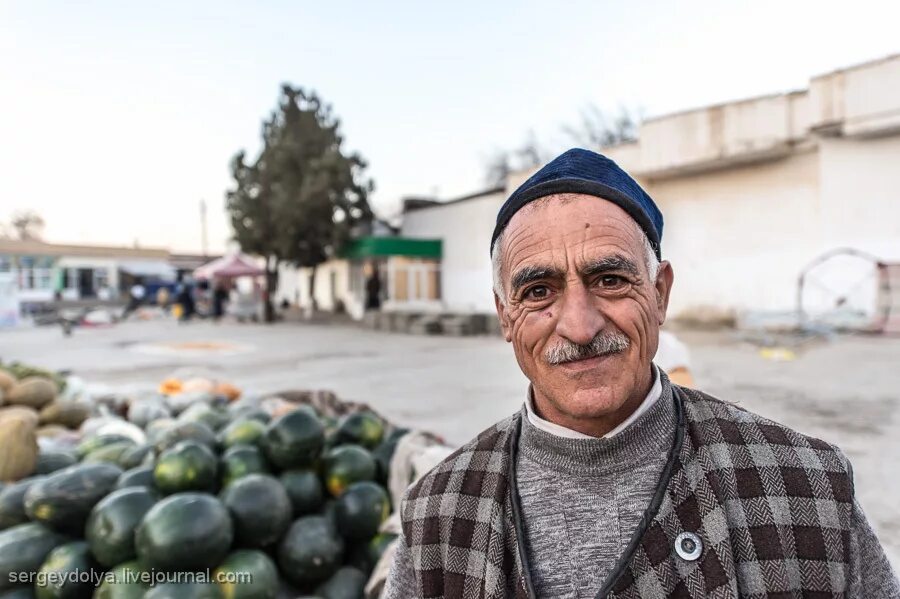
(412, 204)
(860, 102)
(191, 261)
(32, 247)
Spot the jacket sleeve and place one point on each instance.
(871, 575)
(401, 582)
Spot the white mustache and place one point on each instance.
(601, 345)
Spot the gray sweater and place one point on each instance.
(582, 500)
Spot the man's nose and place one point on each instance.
(579, 318)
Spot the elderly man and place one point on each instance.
(611, 481)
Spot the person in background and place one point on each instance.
(135, 298)
(185, 299)
(373, 290)
(220, 298)
(162, 297)
(612, 481)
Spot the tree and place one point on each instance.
(299, 201)
(27, 224)
(530, 154)
(597, 130)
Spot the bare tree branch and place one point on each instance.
(27, 224)
(598, 130)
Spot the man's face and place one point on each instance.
(574, 271)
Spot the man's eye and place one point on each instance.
(537, 292)
(612, 281)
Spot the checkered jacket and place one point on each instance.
(773, 509)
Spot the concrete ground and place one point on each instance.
(845, 391)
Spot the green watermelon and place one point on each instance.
(184, 431)
(51, 461)
(288, 591)
(377, 546)
(329, 509)
(111, 453)
(365, 556)
(247, 574)
(361, 428)
(304, 489)
(23, 549)
(184, 590)
(64, 499)
(345, 465)
(213, 417)
(241, 460)
(346, 583)
(311, 551)
(260, 508)
(12, 502)
(92, 444)
(142, 476)
(188, 466)
(111, 524)
(384, 453)
(187, 531)
(156, 429)
(125, 581)
(294, 440)
(18, 593)
(360, 511)
(67, 573)
(246, 431)
(250, 413)
(136, 455)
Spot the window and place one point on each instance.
(101, 278)
(415, 280)
(35, 273)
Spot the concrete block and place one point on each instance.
(371, 319)
(426, 325)
(456, 326)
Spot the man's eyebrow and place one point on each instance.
(616, 262)
(530, 274)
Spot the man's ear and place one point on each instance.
(503, 317)
(664, 278)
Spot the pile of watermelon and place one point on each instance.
(247, 504)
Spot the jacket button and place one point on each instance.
(688, 546)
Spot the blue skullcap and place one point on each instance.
(586, 172)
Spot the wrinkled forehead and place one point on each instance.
(557, 230)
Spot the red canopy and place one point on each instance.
(236, 265)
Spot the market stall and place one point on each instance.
(240, 279)
(268, 495)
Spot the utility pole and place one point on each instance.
(203, 226)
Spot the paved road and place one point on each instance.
(845, 391)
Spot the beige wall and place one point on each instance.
(736, 237)
(861, 194)
(293, 285)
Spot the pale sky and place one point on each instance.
(116, 118)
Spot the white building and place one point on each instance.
(41, 270)
(751, 191)
(464, 225)
(408, 271)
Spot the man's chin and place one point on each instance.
(594, 402)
